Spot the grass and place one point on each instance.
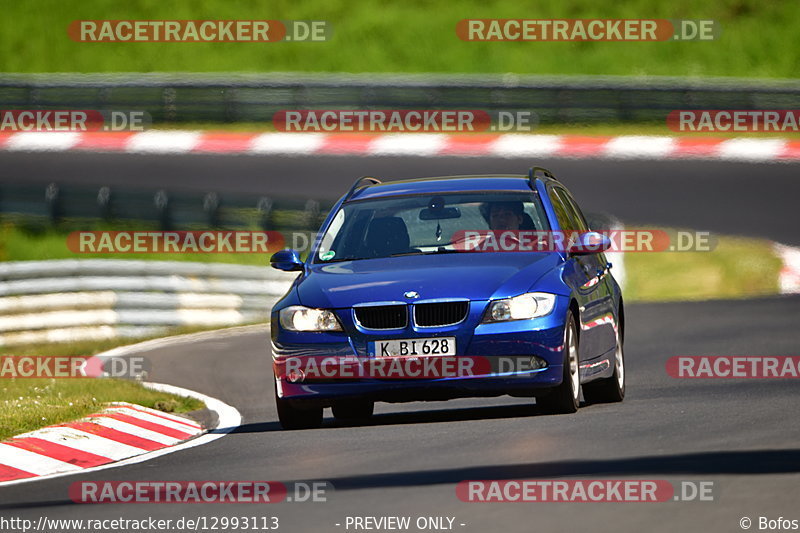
(28, 404)
(736, 268)
(42, 242)
(759, 39)
(31, 403)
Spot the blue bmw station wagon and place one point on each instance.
(389, 278)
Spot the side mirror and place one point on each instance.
(288, 260)
(590, 242)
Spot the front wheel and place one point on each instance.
(609, 390)
(566, 397)
(292, 417)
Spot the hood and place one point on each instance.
(476, 276)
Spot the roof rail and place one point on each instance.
(358, 183)
(532, 175)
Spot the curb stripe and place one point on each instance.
(73, 456)
(163, 142)
(120, 432)
(169, 418)
(160, 414)
(108, 421)
(100, 142)
(580, 146)
(8, 473)
(149, 426)
(85, 435)
(347, 143)
(89, 442)
(161, 421)
(789, 277)
(116, 435)
(43, 141)
(32, 462)
(416, 144)
(468, 145)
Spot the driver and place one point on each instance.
(503, 216)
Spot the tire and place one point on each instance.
(292, 417)
(566, 397)
(353, 409)
(609, 390)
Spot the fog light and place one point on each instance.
(296, 376)
(538, 363)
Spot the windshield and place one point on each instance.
(424, 224)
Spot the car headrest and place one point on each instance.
(387, 235)
(527, 222)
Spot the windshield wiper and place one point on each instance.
(417, 252)
(444, 251)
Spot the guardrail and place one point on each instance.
(167, 209)
(73, 299)
(233, 97)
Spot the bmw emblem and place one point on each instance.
(411, 295)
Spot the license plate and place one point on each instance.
(413, 347)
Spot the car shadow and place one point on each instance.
(747, 462)
(408, 417)
(441, 415)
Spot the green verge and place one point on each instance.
(32, 403)
(28, 404)
(736, 268)
(41, 241)
(759, 39)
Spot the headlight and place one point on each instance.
(522, 307)
(299, 318)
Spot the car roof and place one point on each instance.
(446, 184)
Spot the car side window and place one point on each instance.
(562, 214)
(574, 211)
(577, 215)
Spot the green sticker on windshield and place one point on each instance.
(327, 256)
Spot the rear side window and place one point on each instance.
(562, 213)
(574, 212)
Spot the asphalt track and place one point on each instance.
(741, 434)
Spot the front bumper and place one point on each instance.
(541, 338)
